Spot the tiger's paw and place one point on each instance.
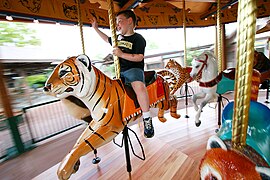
(162, 119)
(176, 116)
(67, 167)
(76, 166)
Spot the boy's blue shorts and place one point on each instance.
(133, 74)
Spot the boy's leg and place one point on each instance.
(142, 95)
(135, 77)
(143, 99)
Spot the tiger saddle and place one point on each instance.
(156, 92)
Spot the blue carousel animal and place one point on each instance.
(221, 161)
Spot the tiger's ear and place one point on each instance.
(215, 142)
(85, 60)
(264, 172)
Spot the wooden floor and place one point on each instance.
(173, 153)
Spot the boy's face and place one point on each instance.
(123, 24)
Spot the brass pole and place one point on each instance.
(114, 37)
(80, 24)
(245, 55)
(184, 28)
(219, 37)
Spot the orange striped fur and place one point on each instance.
(105, 99)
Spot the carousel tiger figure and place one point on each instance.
(109, 103)
(221, 161)
(177, 75)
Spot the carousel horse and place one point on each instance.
(213, 83)
(110, 104)
(221, 161)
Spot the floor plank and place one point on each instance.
(173, 153)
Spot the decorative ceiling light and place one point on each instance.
(9, 18)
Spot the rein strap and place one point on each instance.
(212, 82)
(204, 62)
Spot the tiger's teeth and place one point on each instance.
(105, 110)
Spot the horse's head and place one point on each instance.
(205, 65)
(198, 64)
(69, 77)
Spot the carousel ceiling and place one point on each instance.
(150, 13)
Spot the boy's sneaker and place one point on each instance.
(148, 127)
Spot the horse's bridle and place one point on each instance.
(209, 83)
(204, 62)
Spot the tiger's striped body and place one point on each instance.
(171, 78)
(104, 98)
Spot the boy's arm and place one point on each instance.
(131, 57)
(102, 35)
(94, 23)
(138, 50)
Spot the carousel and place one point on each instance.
(236, 144)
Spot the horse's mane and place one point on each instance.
(210, 53)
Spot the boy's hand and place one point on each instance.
(117, 52)
(94, 23)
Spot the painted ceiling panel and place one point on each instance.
(151, 14)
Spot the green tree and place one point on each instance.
(36, 80)
(18, 34)
(191, 54)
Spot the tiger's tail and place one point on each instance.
(171, 79)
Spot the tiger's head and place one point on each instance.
(70, 78)
(173, 64)
(221, 162)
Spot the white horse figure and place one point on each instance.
(206, 65)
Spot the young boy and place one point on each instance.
(130, 51)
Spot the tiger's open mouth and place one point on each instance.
(69, 89)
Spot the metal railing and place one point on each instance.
(48, 119)
(37, 123)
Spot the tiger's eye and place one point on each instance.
(69, 77)
(62, 73)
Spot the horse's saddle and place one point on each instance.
(229, 73)
(227, 82)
